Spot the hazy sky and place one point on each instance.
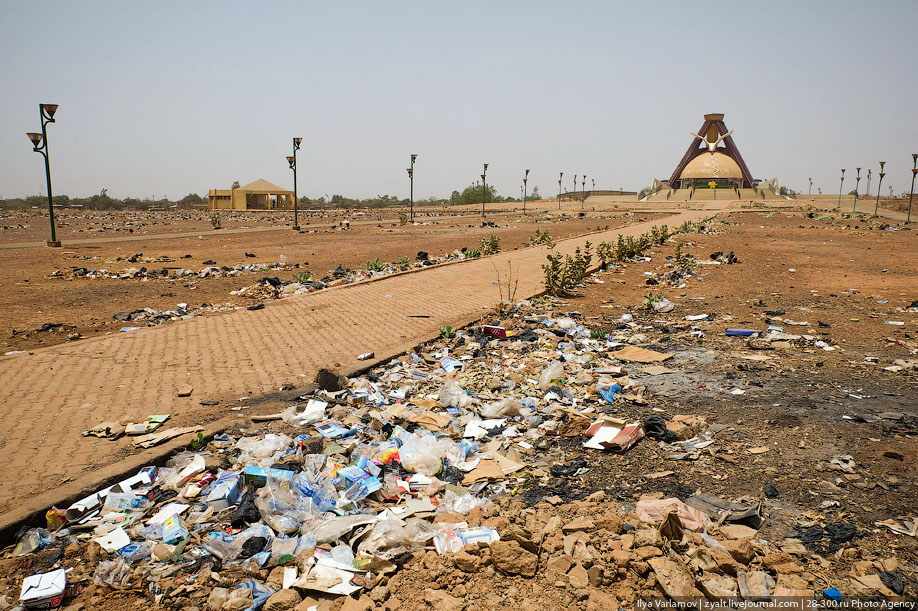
(166, 98)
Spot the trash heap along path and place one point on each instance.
(52, 395)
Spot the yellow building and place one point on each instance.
(258, 195)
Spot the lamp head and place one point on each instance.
(410, 172)
(561, 175)
(914, 158)
(843, 172)
(292, 161)
(49, 109)
(485, 167)
(482, 176)
(882, 163)
(527, 174)
(858, 171)
(296, 143)
(414, 156)
(35, 138)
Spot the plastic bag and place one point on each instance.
(343, 554)
(113, 573)
(136, 551)
(33, 540)
(461, 503)
(284, 508)
(421, 454)
(284, 550)
(499, 409)
(260, 451)
(452, 395)
(565, 323)
(554, 371)
(313, 412)
(663, 305)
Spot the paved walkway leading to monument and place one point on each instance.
(51, 395)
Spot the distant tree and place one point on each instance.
(235, 184)
(192, 198)
(535, 193)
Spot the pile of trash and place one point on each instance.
(419, 469)
(210, 270)
(275, 288)
(152, 316)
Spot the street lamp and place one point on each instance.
(414, 156)
(879, 188)
(40, 145)
(484, 188)
(525, 180)
(560, 176)
(291, 159)
(867, 188)
(841, 188)
(912, 191)
(856, 183)
(594, 185)
(810, 192)
(582, 190)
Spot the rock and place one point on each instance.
(509, 557)
(578, 577)
(594, 574)
(686, 426)
(601, 601)
(724, 561)
(741, 550)
(782, 563)
(440, 601)
(647, 536)
(648, 551)
(276, 576)
(466, 562)
(717, 587)
(284, 600)
(216, 599)
(185, 390)
(560, 565)
(621, 558)
(737, 531)
(330, 380)
(673, 578)
(580, 523)
(364, 603)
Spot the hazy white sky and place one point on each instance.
(167, 98)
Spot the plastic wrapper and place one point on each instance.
(313, 412)
(663, 305)
(33, 540)
(260, 451)
(284, 550)
(136, 551)
(113, 573)
(554, 371)
(499, 409)
(461, 503)
(422, 454)
(343, 554)
(452, 395)
(120, 501)
(283, 507)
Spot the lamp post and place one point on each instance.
(879, 188)
(810, 192)
(856, 183)
(582, 190)
(912, 190)
(40, 145)
(841, 188)
(560, 176)
(525, 187)
(291, 159)
(484, 188)
(414, 157)
(594, 185)
(867, 188)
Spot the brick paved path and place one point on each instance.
(50, 396)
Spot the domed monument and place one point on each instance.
(712, 163)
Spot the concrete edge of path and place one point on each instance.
(31, 512)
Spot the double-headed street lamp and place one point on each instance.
(810, 192)
(582, 190)
(867, 188)
(856, 183)
(879, 188)
(841, 188)
(40, 145)
(291, 159)
(560, 176)
(912, 190)
(414, 156)
(484, 188)
(525, 180)
(575, 187)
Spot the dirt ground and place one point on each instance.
(786, 409)
(84, 306)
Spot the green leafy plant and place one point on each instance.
(605, 252)
(197, 444)
(490, 245)
(447, 332)
(302, 277)
(402, 219)
(650, 299)
(682, 259)
(472, 254)
(598, 333)
(404, 262)
(215, 219)
(542, 237)
(375, 265)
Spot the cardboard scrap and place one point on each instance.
(655, 511)
(641, 355)
(153, 439)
